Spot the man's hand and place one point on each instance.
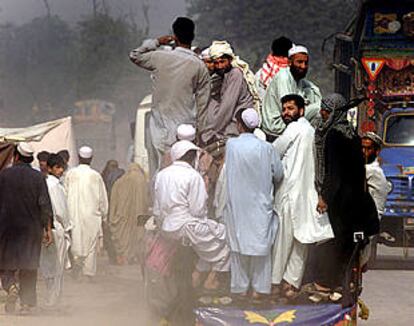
(322, 207)
(166, 39)
(47, 237)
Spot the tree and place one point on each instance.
(251, 25)
(37, 64)
(104, 44)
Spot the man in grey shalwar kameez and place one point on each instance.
(181, 85)
(252, 169)
(217, 122)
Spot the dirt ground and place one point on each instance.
(114, 298)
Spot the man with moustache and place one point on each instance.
(289, 81)
(218, 122)
(296, 199)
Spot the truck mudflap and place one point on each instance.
(306, 315)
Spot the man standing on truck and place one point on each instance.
(296, 199)
(181, 85)
(276, 60)
(253, 168)
(289, 81)
(341, 185)
(376, 182)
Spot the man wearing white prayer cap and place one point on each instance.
(88, 207)
(290, 81)
(252, 169)
(186, 132)
(180, 208)
(25, 149)
(85, 152)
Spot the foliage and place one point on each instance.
(36, 63)
(251, 25)
(46, 65)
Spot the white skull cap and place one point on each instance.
(250, 118)
(295, 49)
(25, 149)
(85, 152)
(186, 132)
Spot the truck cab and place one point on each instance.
(374, 58)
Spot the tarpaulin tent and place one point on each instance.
(51, 136)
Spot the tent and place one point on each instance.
(51, 136)
(141, 141)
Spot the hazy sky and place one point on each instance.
(162, 12)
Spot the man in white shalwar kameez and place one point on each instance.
(54, 258)
(252, 169)
(296, 199)
(378, 186)
(180, 208)
(88, 207)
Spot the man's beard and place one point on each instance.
(222, 72)
(297, 73)
(370, 158)
(289, 119)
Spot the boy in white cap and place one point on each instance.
(180, 208)
(289, 81)
(88, 207)
(25, 217)
(252, 169)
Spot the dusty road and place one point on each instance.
(116, 298)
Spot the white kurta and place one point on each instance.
(54, 258)
(180, 207)
(295, 202)
(377, 185)
(88, 206)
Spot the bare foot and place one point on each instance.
(196, 278)
(290, 291)
(321, 288)
(211, 283)
(276, 289)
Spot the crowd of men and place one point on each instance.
(53, 218)
(272, 184)
(258, 174)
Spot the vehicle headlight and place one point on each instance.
(390, 186)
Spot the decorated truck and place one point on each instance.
(374, 58)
